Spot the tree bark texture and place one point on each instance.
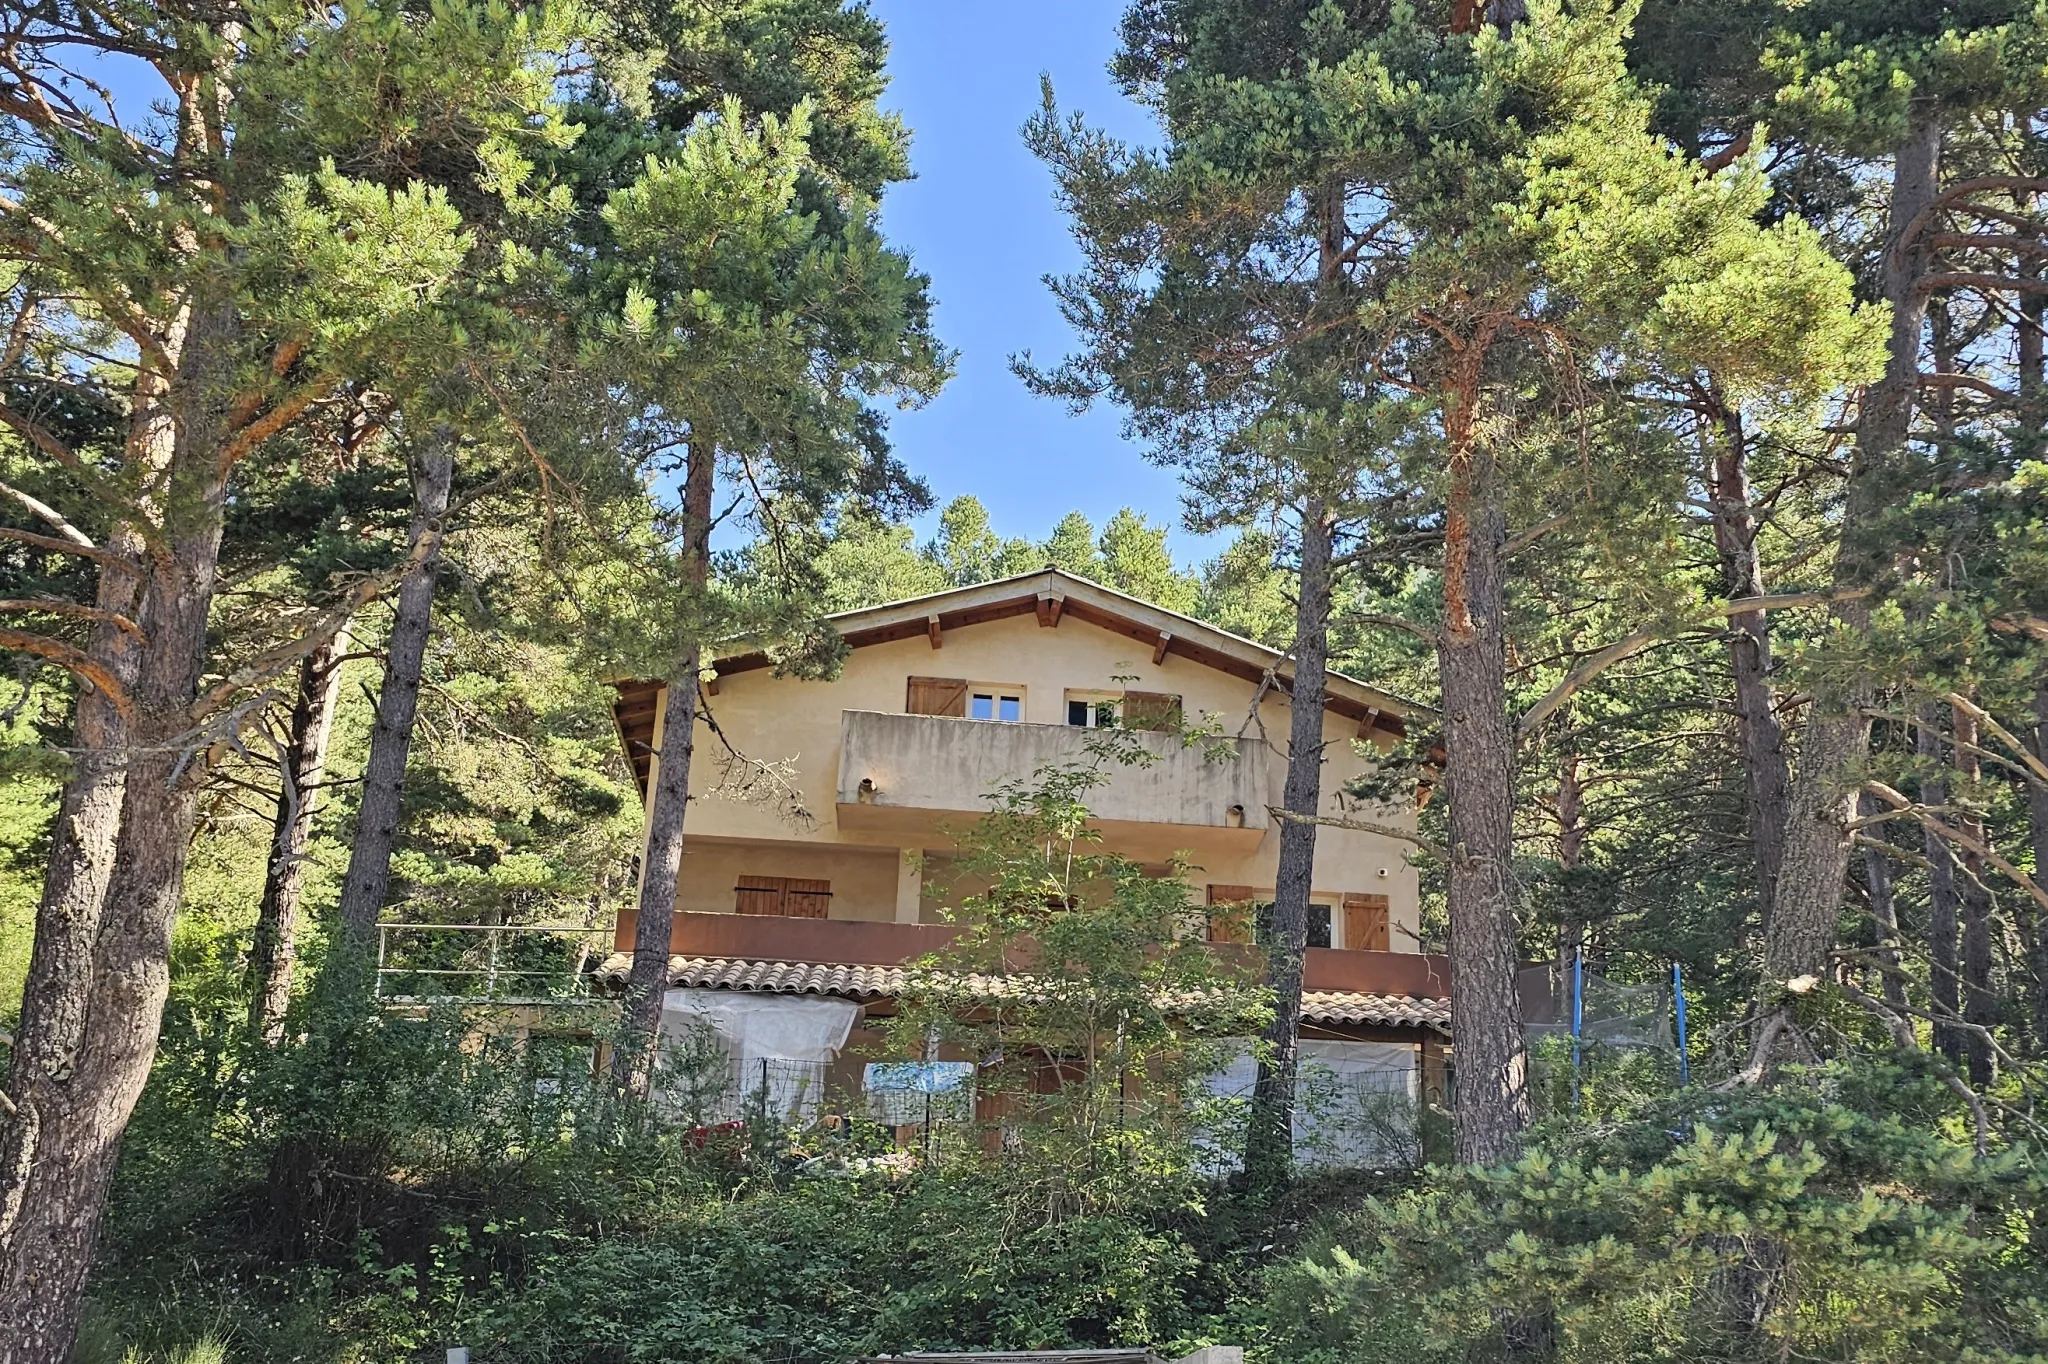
(1884, 911)
(1571, 844)
(668, 799)
(95, 994)
(1980, 1006)
(301, 768)
(1800, 931)
(1767, 776)
(1269, 1135)
(368, 881)
(1942, 903)
(2037, 827)
(1492, 1103)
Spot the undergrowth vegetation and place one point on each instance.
(383, 1191)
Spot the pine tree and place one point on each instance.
(753, 313)
(253, 285)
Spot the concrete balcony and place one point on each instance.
(913, 774)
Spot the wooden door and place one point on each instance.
(1230, 913)
(1365, 922)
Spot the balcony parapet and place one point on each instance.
(906, 771)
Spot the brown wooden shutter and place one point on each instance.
(937, 696)
(1365, 922)
(1151, 710)
(807, 899)
(1230, 913)
(783, 896)
(758, 895)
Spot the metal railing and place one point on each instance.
(429, 963)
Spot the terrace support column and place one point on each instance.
(909, 885)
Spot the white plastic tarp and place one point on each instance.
(779, 1045)
(1351, 1100)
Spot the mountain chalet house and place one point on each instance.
(790, 934)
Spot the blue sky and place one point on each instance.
(980, 220)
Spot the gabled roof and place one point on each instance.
(1054, 595)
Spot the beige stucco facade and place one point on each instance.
(883, 788)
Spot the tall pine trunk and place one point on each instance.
(1884, 911)
(368, 881)
(2032, 348)
(1980, 1007)
(2037, 827)
(95, 994)
(1571, 845)
(1942, 901)
(1269, 1135)
(1800, 931)
(1492, 1103)
(1767, 777)
(668, 799)
(273, 950)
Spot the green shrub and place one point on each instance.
(1830, 1220)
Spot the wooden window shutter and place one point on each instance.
(1365, 922)
(758, 895)
(807, 899)
(1151, 710)
(783, 896)
(937, 696)
(1230, 913)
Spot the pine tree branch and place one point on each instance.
(1421, 632)
(2024, 773)
(1529, 535)
(1632, 644)
(57, 546)
(1984, 283)
(118, 306)
(1956, 836)
(50, 514)
(73, 660)
(267, 665)
(261, 428)
(2034, 764)
(41, 437)
(2020, 623)
(57, 606)
(1968, 381)
(1367, 826)
(1905, 1039)
(1987, 241)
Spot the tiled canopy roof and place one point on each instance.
(872, 982)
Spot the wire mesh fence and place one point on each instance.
(419, 962)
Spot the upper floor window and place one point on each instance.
(1093, 709)
(995, 703)
(1131, 709)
